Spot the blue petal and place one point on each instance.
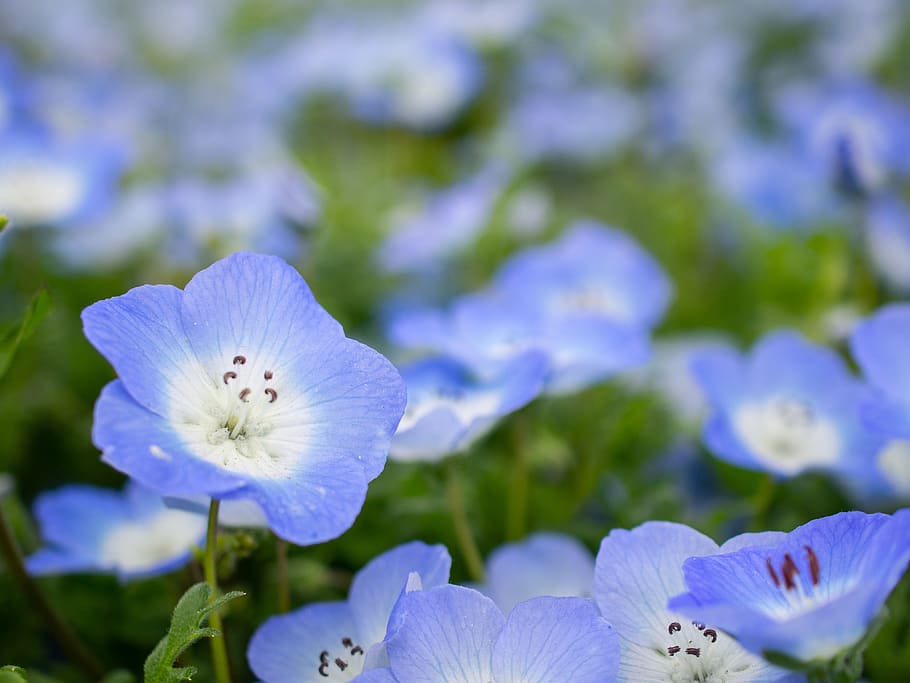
(556, 639)
(142, 336)
(380, 583)
(446, 635)
(542, 564)
(720, 373)
(289, 647)
(49, 561)
(879, 345)
(145, 446)
(77, 517)
(376, 676)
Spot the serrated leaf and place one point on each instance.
(35, 312)
(186, 628)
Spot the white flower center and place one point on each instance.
(894, 463)
(787, 434)
(36, 191)
(341, 663)
(696, 653)
(467, 405)
(133, 546)
(592, 298)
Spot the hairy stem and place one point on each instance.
(219, 645)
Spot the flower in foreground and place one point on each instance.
(334, 641)
(637, 572)
(131, 534)
(452, 634)
(242, 387)
(811, 595)
(542, 564)
(788, 408)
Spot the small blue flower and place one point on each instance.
(449, 409)
(543, 564)
(45, 181)
(131, 534)
(452, 634)
(242, 387)
(334, 641)
(810, 595)
(789, 407)
(879, 345)
(888, 241)
(637, 572)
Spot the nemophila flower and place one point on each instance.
(789, 407)
(637, 572)
(487, 332)
(879, 345)
(131, 533)
(811, 595)
(334, 641)
(241, 386)
(448, 221)
(451, 634)
(543, 564)
(449, 408)
(45, 181)
(888, 241)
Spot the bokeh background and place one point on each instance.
(396, 153)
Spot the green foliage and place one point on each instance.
(12, 338)
(186, 628)
(4, 221)
(9, 673)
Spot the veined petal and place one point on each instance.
(550, 640)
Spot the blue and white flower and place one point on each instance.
(335, 641)
(810, 595)
(888, 241)
(543, 564)
(130, 533)
(242, 386)
(788, 408)
(637, 572)
(451, 634)
(449, 409)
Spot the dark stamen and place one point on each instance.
(674, 627)
(673, 649)
(357, 650)
(268, 374)
(693, 651)
(789, 570)
(229, 375)
(772, 572)
(712, 634)
(347, 642)
(243, 394)
(340, 663)
(700, 627)
(239, 360)
(324, 656)
(814, 569)
(323, 669)
(273, 395)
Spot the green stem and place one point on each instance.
(764, 496)
(74, 648)
(284, 585)
(463, 531)
(219, 647)
(519, 483)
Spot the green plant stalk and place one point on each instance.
(284, 585)
(519, 483)
(463, 532)
(219, 644)
(74, 648)
(762, 501)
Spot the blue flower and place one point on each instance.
(242, 387)
(452, 634)
(543, 564)
(811, 594)
(637, 572)
(888, 241)
(449, 409)
(879, 345)
(333, 641)
(131, 534)
(788, 408)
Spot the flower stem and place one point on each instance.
(519, 482)
(74, 648)
(284, 587)
(764, 496)
(219, 647)
(463, 532)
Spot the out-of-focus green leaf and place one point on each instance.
(12, 674)
(186, 628)
(37, 309)
(4, 221)
(119, 676)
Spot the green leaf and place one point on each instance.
(12, 674)
(37, 309)
(186, 628)
(4, 221)
(119, 676)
